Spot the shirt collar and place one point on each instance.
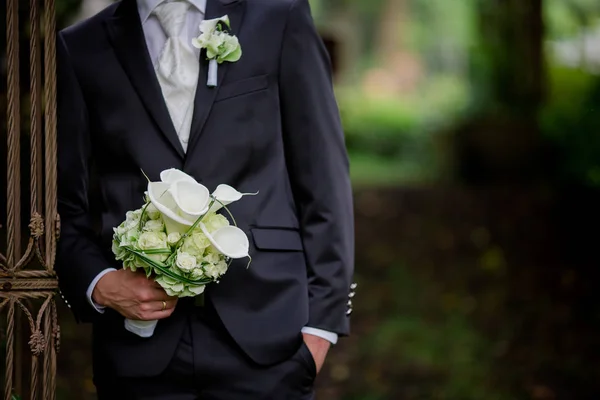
(145, 7)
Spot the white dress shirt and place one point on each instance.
(155, 40)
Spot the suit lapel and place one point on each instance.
(205, 96)
(127, 37)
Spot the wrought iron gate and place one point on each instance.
(27, 280)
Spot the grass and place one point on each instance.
(440, 354)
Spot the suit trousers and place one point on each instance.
(209, 365)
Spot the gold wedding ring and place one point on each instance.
(164, 306)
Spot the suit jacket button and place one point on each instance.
(351, 294)
(353, 286)
(350, 303)
(348, 312)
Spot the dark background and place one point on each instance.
(473, 131)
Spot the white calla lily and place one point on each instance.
(210, 25)
(179, 198)
(173, 175)
(161, 198)
(230, 241)
(191, 198)
(225, 195)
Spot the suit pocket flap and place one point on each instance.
(243, 86)
(277, 239)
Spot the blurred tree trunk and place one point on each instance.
(389, 38)
(512, 42)
(502, 142)
(398, 68)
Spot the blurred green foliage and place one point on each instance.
(569, 119)
(383, 128)
(400, 134)
(444, 354)
(396, 140)
(466, 294)
(65, 9)
(566, 18)
(427, 32)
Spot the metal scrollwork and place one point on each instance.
(28, 284)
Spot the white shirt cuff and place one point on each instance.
(90, 290)
(329, 336)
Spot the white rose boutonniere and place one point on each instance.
(220, 45)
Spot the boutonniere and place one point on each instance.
(220, 45)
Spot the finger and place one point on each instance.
(164, 305)
(153, 306)
(142, 278)
(159, 314)
(161, 295)
(157, 286)
(137, 274)
(150, 295)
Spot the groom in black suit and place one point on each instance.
(271, 125)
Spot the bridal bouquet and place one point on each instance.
(179, 239)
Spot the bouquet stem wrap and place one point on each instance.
(143, 329)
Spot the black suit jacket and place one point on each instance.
(271, 125)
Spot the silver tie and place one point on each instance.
(177, 69)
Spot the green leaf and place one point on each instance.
(157, 251)
(166, 271)
(191, 229)
(226, 209)
(234, 55)
(140, 225)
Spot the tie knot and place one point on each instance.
(171, 16)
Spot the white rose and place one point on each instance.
(129, 238)
(221, 267)
(152, 212)
(215, 270)
(173, 238)
(152, 240)
(200, 240)
(120, 230)
(215, 222)
(210, 271)
(197, 273)
(195, 244)
(127, 225)
(153, 225)
(186, 262)
(133, 215)
(212, 256)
